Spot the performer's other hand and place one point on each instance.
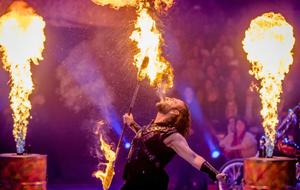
(222, 177)
(128, 119)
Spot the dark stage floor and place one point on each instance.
(73, 187)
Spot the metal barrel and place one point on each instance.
(23, 172)
(277, 173)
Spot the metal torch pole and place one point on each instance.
(129, 112)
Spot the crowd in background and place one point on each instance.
(217, 72)
(214, 68)
(214, 65)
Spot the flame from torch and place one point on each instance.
(148, 40)
(268, 43)
(22, 41)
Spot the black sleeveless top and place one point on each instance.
(148, 151)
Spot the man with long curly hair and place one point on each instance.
(156, 144)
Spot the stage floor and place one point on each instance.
(90, 187)
(72, 187)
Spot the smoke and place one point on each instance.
(83, 89)
(81, 84)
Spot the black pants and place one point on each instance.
(147, 180)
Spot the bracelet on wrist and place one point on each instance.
(210, 170)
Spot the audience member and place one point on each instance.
(243, 144)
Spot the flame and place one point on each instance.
(107, 175)
(22, 41)
(268, 43)
(115, 3)
(157, 4)
(148, 60)
(161, 5)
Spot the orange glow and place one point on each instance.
(22, 42)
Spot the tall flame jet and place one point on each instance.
(149, 60)
(22, 42)
(268, 43)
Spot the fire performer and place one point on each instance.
(156, 144)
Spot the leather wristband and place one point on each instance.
(210, 170)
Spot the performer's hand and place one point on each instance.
(222, 177)
(128, 119)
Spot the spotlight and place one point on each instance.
(127, 145)
(215, 154)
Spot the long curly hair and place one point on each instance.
(183, 121)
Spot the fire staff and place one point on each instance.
(156, 144)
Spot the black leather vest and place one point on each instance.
(148, 151)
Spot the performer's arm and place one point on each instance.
(129, 121)
(178, 143)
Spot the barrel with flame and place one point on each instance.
(26, 172)
(269, 173)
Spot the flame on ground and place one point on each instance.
(107, 175)
(268, 43)
(22, 41)
(148, 60)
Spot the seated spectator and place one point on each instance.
(212, 101)
(230, 94)
(211, 72)
(228, 138)
(243, 143)
(212, 104)
(231, 109)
